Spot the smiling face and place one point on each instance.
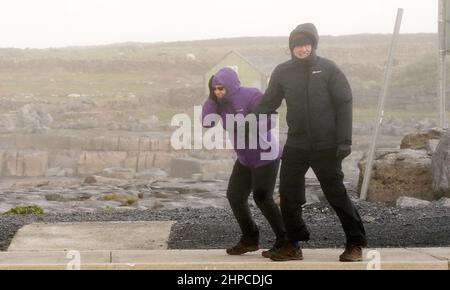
(303, 51)
(220, 91)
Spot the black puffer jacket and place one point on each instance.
(318, 98)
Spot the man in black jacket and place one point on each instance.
(319, 117)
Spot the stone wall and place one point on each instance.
(24, 163)
(52, 154)
(53, 141)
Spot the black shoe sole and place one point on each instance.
(238, 254)
(345, 260)
(283, 259)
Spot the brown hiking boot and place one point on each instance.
(242, 248)
(267, 253)
(278, 244)
(352, 253)
(287, 252)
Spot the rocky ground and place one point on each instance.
(64, 196)
(215, 228)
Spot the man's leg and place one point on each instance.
(328, 170)
(239, 188)
(294, 165)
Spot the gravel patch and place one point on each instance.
(216, 228)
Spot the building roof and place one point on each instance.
(263, 63)
(266, 62)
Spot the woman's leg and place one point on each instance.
(263, 184)
(239, 188)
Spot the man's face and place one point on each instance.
(303, 51)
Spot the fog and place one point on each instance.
(101, 103)
(56, 23)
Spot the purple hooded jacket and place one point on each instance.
(240, 100)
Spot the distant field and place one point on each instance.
(370, 114)
(161, 71)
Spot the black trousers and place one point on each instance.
(260, 181)
(328, 169)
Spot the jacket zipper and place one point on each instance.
(308, 119)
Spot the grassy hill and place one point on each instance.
(161, 71)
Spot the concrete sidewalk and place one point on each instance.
(321, 259)
(96, 236)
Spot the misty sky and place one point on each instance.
(54, 23)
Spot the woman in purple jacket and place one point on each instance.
(251, 172)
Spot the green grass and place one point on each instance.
(24, 210)
(111, 197)
(126, 200)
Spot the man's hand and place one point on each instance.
(212, 95)
(343, 150)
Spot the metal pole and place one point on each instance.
(382, 99)
(442, 64)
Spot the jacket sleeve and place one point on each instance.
(341, 93)
(272, 98)
(209, 107)
(256, 101)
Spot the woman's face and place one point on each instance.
(220, 91)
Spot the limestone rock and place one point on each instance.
(154, 173)
(441, 167)
(405, 201)
(35, 164)
(419, 140)
(185, 167)
(118, 173)
(34, 117)
(163, 161)
(105, 180)
(445, 202)
(93, 162)
(431, 146)
(399, 173)
(25, 163)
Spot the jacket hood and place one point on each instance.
(308, 29)
(228, 78)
